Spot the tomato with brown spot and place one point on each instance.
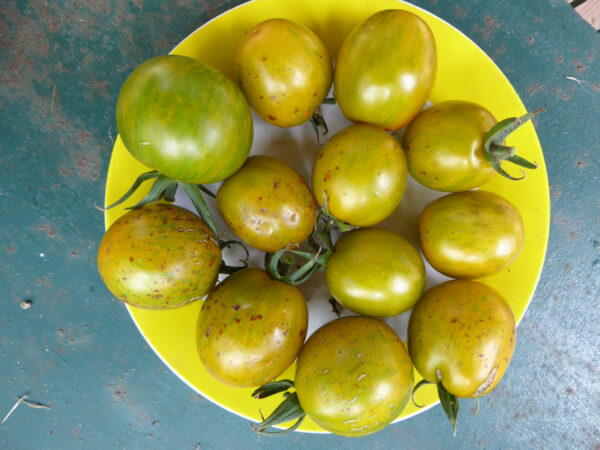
(284, 70)
(267, 204)
(471, 234)
(462, 333)
(159, 256)
(353, 376)
(362, 171)
(444, 146)
(251, 328)
(386, 69)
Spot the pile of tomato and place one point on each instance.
(192, 125)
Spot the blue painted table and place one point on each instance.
(75, 349)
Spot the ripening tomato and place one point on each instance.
(267, 204)
(185, 119)
(251, 328)
(159, 256)
(462, 333)
(385, 69)
(444, 146)
(285, 71)
(471, 234)
(353, 376)
(375, 272)
(362, 170)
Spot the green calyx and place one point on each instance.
(495, 152)
(448, 401)
(164, 188)
(284, 264)
(287, 410)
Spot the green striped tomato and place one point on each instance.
(362, 171)
(251, 328)
(185, 119)
(463, 334)
(354, 376)
(375, 272)
(159, 256)
(285, 71)
(385, 69)
(267, 204)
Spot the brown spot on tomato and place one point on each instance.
(272, 117)
(236, 307)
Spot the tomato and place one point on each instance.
(267, 204)
(444, 146)
(185, 119)
(353, 376)
(362, 170)
(471, 234)
(375, 272)
(463, 334)
(385, 69)
(251, 328)
(159, 256)
(285, 71)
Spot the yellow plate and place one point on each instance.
(464, 72)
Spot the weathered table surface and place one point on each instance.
(77, 350)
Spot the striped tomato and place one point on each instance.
(385, 69)
(185, 119)
(251, 328)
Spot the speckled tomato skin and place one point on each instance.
(267, 204)
(375, 272)
(444, 146)
(159, 256)
(471, 234)
(284, 70)
(251, 328)
(185, 119)
(385, 69)
(362, 170)
(353, 376)
(465, 330)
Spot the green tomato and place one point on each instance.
(471, 234)
(267, 204)
(285, 71)
(251, 328)
(375, 272)
(362, 171)
(463, 334)
(353, 376)
(159, 256)
(385, 69)
(185, 119)
(444, 146)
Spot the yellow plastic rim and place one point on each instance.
(464, 72)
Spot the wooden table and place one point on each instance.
(76, 350)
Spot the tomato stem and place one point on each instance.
(495, 152)
(450, 404)
(287, 410)
(136, 184)
(418, 386)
